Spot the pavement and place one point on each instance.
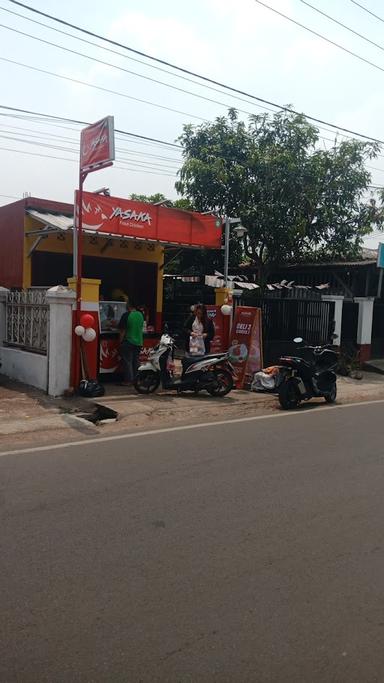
(232, 553)
(28, 416)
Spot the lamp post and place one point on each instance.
(239, 231)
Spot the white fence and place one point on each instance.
(27, 320)
(36, 337)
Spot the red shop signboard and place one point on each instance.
(128, 218)
(97, 145)
(246, 345)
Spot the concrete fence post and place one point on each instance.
(364, 326)
(60, 300)
(338, 314)
(3, 313)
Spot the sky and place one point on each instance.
(239, 43)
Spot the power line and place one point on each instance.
(138, 61)
(146, 64)
(87, 123)
(120, 68)
(99, 87)
(315, 33)
(122, 159)
(340, 23)
(75, 161)
(194, 74)
(139, 163)
(365, 9)
(43, 134)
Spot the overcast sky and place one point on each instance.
(237, 42)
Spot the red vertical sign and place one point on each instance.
(97, 145)
(219, 343)
(246, 345)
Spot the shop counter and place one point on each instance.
(110, 315)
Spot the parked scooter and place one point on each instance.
(214, 373)
(306, 379)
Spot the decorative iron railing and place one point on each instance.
(27, 320)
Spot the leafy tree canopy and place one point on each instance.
(297, 199)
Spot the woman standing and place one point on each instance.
(199, 330)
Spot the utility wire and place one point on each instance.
(150, 65)
(194, 74)
(74, 161)
(365, 9)
(99, 87)
(87, 123)
(42, 134)
(133, 59)
(146, 64)
(120, 68)
(47, 145)
(340, 23)
(10, 130)
(315, 33)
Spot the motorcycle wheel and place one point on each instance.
(223, 384)
(146, 382)
(288, 396)
(331, 397)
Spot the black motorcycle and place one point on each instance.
(306, 378)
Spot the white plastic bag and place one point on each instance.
(196, 346)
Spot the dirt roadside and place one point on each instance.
(28, 417)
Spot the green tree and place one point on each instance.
(296, 199)
(149, 198)
(158, 197)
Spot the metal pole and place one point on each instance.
(77, 258)
(79, 216)
(226, 251)
(74, 236)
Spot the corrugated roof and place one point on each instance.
(53, 220)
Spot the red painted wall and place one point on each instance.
(12, 235)
(12, 244)
(48, 205)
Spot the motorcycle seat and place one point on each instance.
(190, 360)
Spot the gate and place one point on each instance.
(378, 330)
(285, 319)
(27, 316)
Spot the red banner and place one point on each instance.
(219, 343)
(246, 345)
(97, 145)
(116, 216)
(110, 361)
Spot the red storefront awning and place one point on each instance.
(127, 218)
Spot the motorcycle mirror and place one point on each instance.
(298, 340)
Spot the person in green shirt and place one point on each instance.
(131, 327)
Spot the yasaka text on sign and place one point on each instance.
(130, 214)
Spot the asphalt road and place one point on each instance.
(242, 552)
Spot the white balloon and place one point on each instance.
(79, 330)
(226, 310)
(89, 334)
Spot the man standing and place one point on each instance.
(131, 341)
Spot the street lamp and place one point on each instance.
(239, 231)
